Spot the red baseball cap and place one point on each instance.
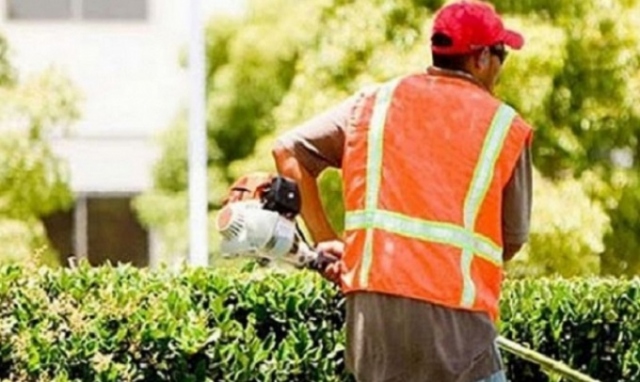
(471, 25)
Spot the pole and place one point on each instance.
(198, 251)
(546, 363)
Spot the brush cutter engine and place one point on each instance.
(264, 227)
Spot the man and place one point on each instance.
(437, 185)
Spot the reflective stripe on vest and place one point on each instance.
(463, 237)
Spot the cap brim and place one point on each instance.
(512, 39)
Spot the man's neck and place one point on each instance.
(434, 70)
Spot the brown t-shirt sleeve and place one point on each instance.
(318, 143)
(516, 201)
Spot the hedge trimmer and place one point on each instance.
(264, 227)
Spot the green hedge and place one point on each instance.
(592, 325)
(125, 324)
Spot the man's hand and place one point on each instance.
(510, 250)
(333, 248)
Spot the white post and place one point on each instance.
(81, 228)
(198, 231)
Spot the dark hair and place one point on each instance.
(450, 61)
(447, 61)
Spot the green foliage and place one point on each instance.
(252, 70)
(567, 232)
(590, 324)
(622, 256)
(125, 324)
(24, 240)
(591, 108)
(34, 181)
(167, 212)
(578, 84)
(331, 186)
(7, 72)
(432, 5)
(359, 44)
(546, 8)
(169, 171)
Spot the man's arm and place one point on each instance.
(516, 206)
(304, 152)
(312, 211)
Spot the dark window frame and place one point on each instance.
(78, 11)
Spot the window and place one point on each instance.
(39, 9)
(92, 10)
(89, 229)
(114, 9)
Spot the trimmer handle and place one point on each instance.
(321, 262)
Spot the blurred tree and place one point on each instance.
(33, 181)
(577, 82)
(586, 109)
(567, 232)
(7, 72)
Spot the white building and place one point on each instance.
(124, 56)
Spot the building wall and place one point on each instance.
(133, 85)
(128, 71)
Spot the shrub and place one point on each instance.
(126, 324)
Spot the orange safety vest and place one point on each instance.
(426, 160)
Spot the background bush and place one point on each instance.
(34, 182)
(592, 325)
(126, 324)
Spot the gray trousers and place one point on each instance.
(395, 339)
